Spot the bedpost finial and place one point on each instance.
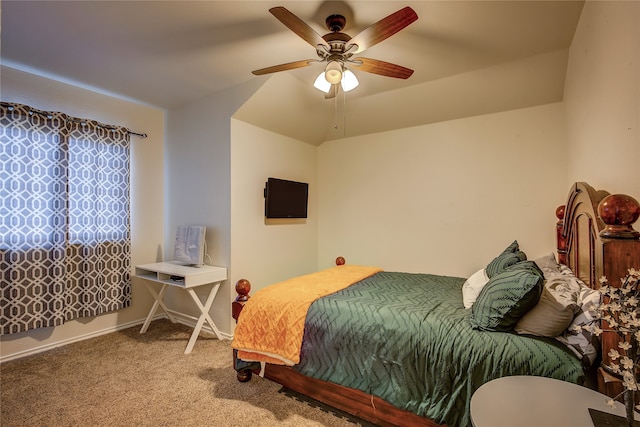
(619, 212)
(340, 261)
(243, 287)
(560, 212)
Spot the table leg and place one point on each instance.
(204, 315)
(158, 297)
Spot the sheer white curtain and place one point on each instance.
(65, 247)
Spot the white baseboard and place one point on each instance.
(182, 319)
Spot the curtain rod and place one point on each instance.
(108, 127)
(72, 119)
(141, 135)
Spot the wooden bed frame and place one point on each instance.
(595, 238)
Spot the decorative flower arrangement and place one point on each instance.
(621, 311)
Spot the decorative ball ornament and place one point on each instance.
(619, 212)
(340, 261)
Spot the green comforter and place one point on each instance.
(406, 338)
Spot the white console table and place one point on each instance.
(187, 278)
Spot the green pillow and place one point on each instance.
(513, 247)
(507, 297)
(504, 260)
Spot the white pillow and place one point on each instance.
(472, 286)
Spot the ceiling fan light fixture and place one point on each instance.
(349, 81)
(322, 84)
(333, 72)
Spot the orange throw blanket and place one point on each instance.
(271, 325)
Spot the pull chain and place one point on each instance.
(335, 113)
(344, 113)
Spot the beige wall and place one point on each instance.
(602, 98)
(267, 251)
(198, 168)
(443, 198)
(147, 178)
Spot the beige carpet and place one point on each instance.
(129, 379)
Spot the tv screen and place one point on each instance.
(285, 199)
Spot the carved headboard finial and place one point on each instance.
(619, 212)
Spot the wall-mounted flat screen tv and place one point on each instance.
(285, 199)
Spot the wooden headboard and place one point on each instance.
(595, 238)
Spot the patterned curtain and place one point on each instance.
(65, 246)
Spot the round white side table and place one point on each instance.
(528, 401)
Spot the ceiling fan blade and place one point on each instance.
(382, 68)
(298, 26)
(384, 28)
(284, 67)
(332, 92)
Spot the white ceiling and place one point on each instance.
(469, 57)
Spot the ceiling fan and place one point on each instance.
(337, 49)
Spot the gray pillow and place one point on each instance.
(548, 265)
(555, 310)
(507, 297)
